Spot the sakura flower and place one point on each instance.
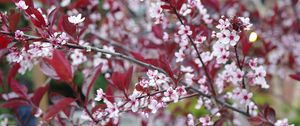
(38, 113)
(155, 11)
(246, 23)
(199, 103)
(245, 97)
(223, 24)
(188, 78)
(283, 122)
(259, 79)
(76, 19)
(179, 56)
(187, 69)
(22, 5)
(185, 10)
(154, 105)
(19, 35)
(206, 121)
(181, 90)
(110, 49)
(200, 39)
(252, 109)
(100, 95)
(4, 122)
(171, 95)
(78, 57)
(228, 37)
(134, 102)
(184, 30)
(190, 120)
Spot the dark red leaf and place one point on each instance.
(36, 17)
(109, 92)
(220, 122)
(60, 105)
(68, 27)
(158, 31)
(255, 120)
(13, 20)
(122, 80)
(61, 66)
(14, 103)
(19, 89)
(90, 81)
(270, 114)
(38, 94)
(166, 7)
(295, 76)
(4, 42)
(53, 16)
(246, 45)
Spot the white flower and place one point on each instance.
(78, 57)
(187, 69)
(19, 35)
(223, 24)
(228, 37)
(283, 122)
(179, 56)
(199, 103)
(184, 30)
(185, 10)
(134, 102)
(109, 49)
(171, 94)
(100, 95)
(22, 5)
(245, 97)
(252, 109)
(190, 120)
(206, 121)
(76, 19)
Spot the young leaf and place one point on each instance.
(4, 42)
(60, 105)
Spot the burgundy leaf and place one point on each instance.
(295, 76)
(38, 94)
(14, 103)
(60, 105)
(255, 120)
(61, 66)
(14, 19)
(270, 114)
(90, 81)
(19, 89)
(67, 26)
(158, 31)
(4, 42)
(246, 45)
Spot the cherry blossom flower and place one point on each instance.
(22, 5)
(206, 121)
(179, 56)
(252, 109)
(245, 97)
(228, 37)
(76, 19)
(223, 24)
(199, 103)
(283, 122)
(78, 57)
(110, 49)
(155, 11)
(19, 35)
(187, 69)
(171, 94)
(190, 120)
(185, 10)
(100, 95)
(184, 30)
(134, 102)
